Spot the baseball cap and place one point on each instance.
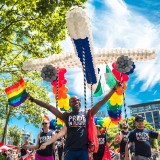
(139, 118)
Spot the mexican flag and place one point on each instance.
(106, 79)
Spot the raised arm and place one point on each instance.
(97, 106)
(61, 133)
(49, 107)
(127, 154)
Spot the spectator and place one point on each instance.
(102, 139)
(141, 138)
(59, 145)
(122, 139)
(43, 137)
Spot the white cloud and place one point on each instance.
(117, 26)
(75, 82)
(117, 6)
(147, 72)
(67, 45)
(51, 115)
(130, 100)
(50, 95)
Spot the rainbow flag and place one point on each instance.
(17, 93)
(45, 117)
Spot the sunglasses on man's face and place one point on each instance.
(44, 123)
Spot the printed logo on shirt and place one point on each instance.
(101, 140)
(125, 138)
(44, 139)
(142, 136)
(77, 121)
(58, 143)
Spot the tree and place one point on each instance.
(28, 29)
(16, 135)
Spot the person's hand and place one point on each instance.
(29, 97)
(117, 86)
(43, 146)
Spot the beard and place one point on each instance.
(125, 127)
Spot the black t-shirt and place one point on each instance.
(44, 137)
(141, 138)
(77, 137)
(124, 141)
(102, 143)
(23, 152)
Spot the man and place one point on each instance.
(76, 146)
(141, 138)
(44, 136)
(122, 139)
(102, 139)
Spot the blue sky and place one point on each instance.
(120, 24)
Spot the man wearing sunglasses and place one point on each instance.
(76, 146)
(45, 135)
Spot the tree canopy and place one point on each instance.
(15, 133)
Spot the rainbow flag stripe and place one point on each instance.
(17, 93)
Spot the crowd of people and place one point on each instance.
(71, 142)
(51, 144)
(75, 131)
(17, 153)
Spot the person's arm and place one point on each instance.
(127, 150)
(49, 107)
(131, 140)
(61, 133)
(118, 138)
(33, 147)
(97, 106)
(63, 142)
(153, 134)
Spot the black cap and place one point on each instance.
(139, 118)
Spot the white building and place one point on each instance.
(25, 135)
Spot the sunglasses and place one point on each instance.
(44, 123)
